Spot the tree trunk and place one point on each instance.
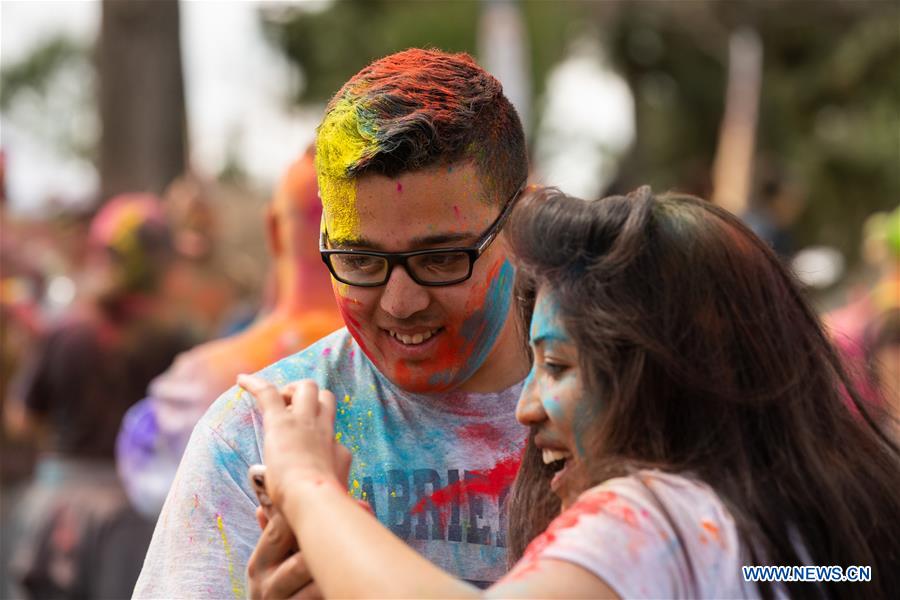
(141, 96)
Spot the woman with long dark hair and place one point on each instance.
(688, 418)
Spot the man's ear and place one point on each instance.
(272, 232)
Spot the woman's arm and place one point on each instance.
(376, 563)
(349, 553)
(354, 555)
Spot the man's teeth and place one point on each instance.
(412, 340)
(551, 456)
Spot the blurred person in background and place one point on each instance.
(202, 286)
(155, 432)
(21, 283)
(857, 327)
(777, 204)
(883, 360)
(77, 535)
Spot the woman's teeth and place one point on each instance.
(412, 340)
(551, 456)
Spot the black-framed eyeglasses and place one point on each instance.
(434, 267)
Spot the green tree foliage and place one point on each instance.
(828, 125)
(37, 69)
(330, 46)
(50, 92)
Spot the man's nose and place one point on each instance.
(402, 297)
(530, 410)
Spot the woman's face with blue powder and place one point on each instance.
(553, 402)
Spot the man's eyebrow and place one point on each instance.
(352, 242)
(441, 238)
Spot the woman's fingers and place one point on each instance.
(305, 400)
(261, 518)
(342, 461)
(327, 409)
(267, 395)
(288, 578)
(287, 392)
(275, 544)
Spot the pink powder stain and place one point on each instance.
(399, 188)
(529, 562)
(326, 351)
(456, 212)
(629, 517)
(586, 505)
(480, 432)
(491, 483)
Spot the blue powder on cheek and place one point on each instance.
(553, 408)
(484, 326)
(586, 414)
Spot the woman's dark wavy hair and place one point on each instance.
(708, 361)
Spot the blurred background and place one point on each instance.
(787, 112)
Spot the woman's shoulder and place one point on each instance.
(651, 534)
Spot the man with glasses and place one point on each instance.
(420, 159)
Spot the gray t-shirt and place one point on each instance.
(436, 470)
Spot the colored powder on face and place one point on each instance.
(545, 322)
(586, 413)
(553, 408)
(468, 346)
(399, 188)
(237, 584)
(529, 379)
(546, 326)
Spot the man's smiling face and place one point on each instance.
(427, 339)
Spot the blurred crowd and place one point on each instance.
(132, 312)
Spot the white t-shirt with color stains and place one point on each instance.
(435, 469)
(649, 535)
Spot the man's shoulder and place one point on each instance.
(327, 361)
(323, 361)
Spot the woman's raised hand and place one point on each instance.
(299, 445)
